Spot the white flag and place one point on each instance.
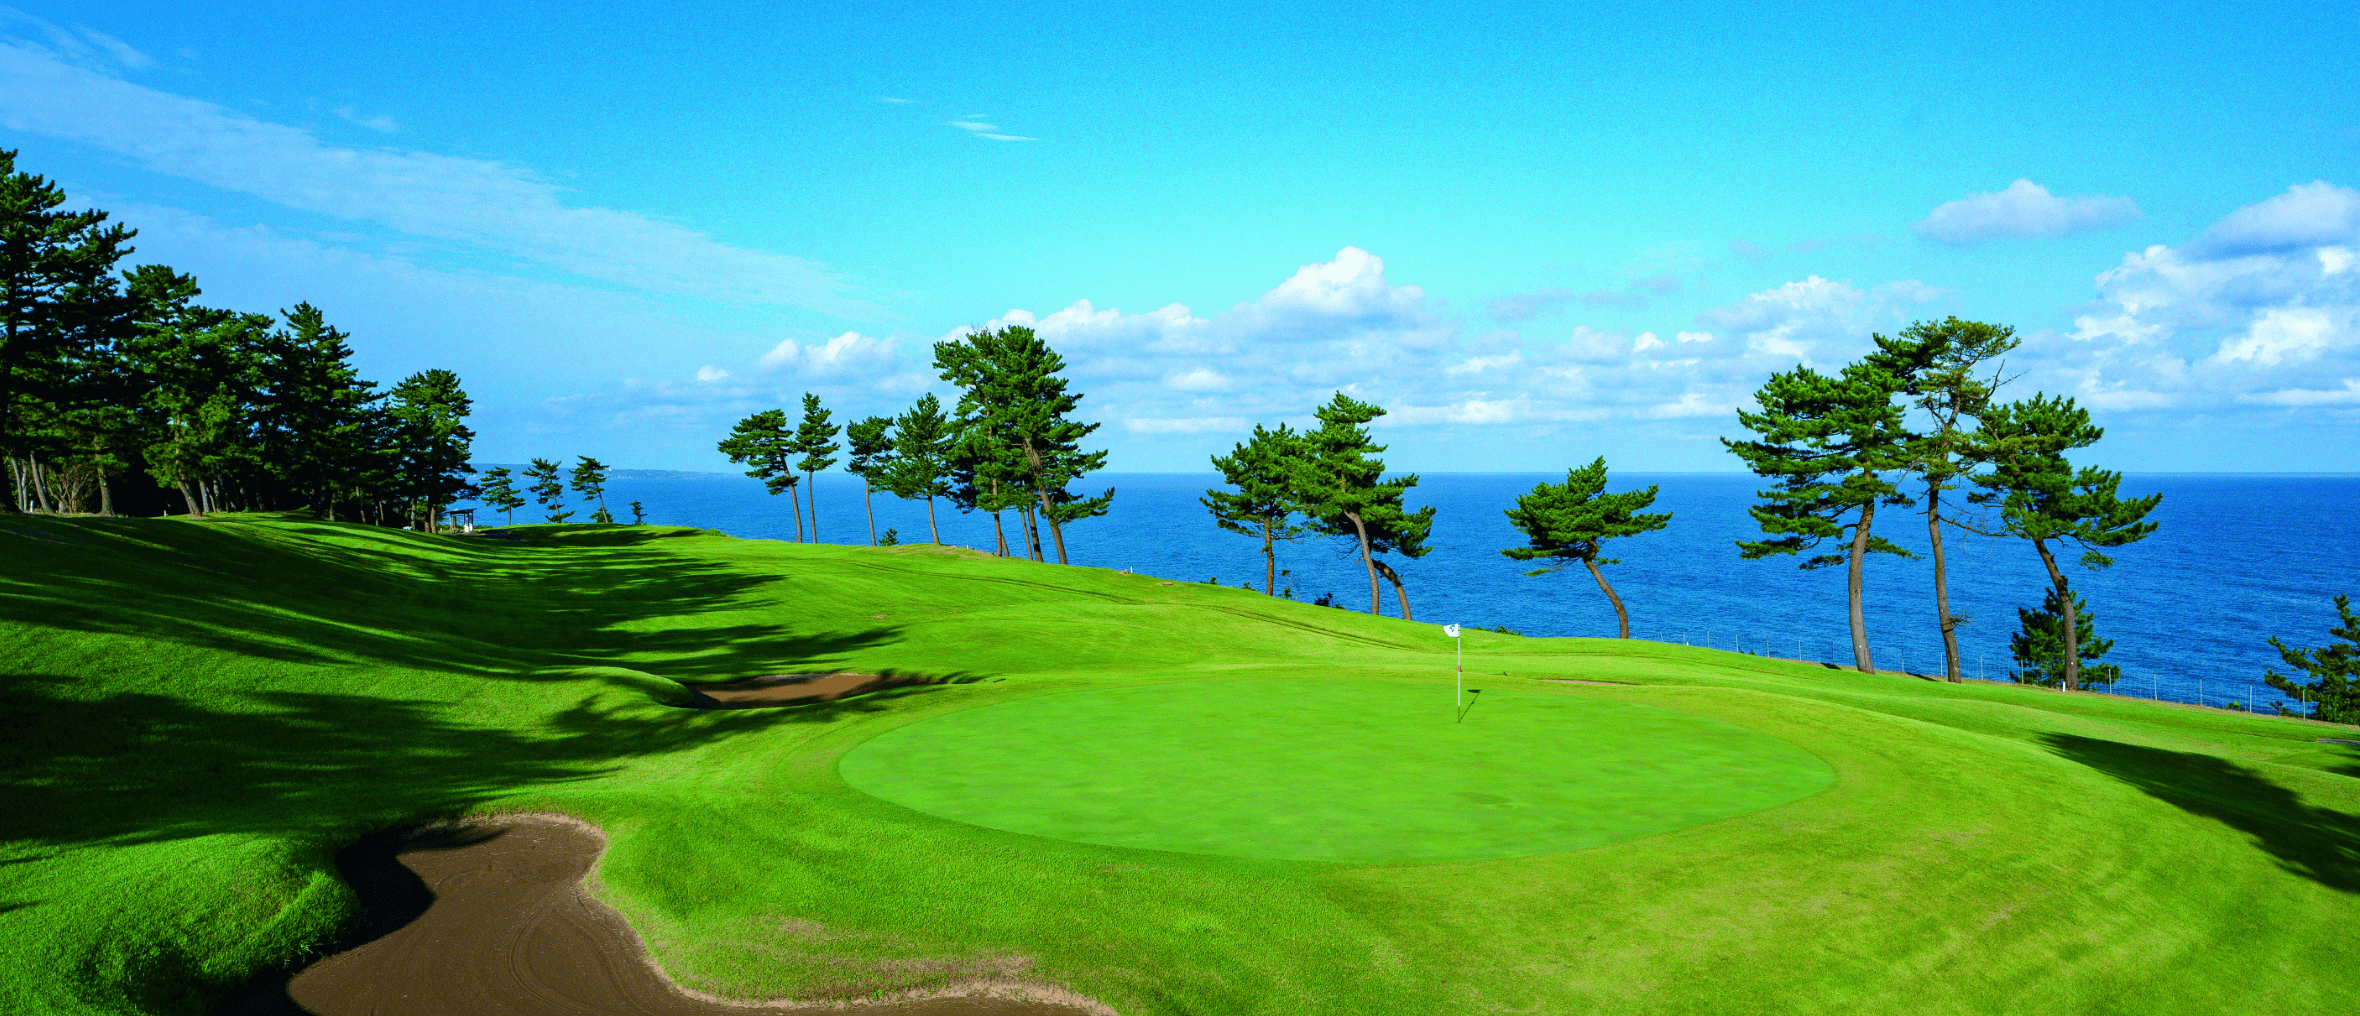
(1451, 630)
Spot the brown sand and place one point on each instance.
(793, 689)
(490, 919)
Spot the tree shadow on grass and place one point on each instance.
(318, 593)
(133, 767)
(2321, 844)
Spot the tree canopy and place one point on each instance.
(1568, 522)
(1263, 505)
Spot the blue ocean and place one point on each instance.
(2238, 558)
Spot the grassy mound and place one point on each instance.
(198, 713)
(1335, 770)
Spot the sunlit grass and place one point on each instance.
(199, 712)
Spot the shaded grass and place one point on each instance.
(198, 714)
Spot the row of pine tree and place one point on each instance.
(121, 393)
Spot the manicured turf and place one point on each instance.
(1331, 770)
(194, 715)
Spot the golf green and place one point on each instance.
(1336, 770)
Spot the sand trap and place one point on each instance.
(794, 689)
(490, 918)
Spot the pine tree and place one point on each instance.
(1339, 484)
(1264, 503)
(1567, 522)
(638, 514)
(871, 439)
(57, 298)
(2041, 498)
(920, 466)
(1834, 446)
(548, 488)
(432, 409)
(815, 441)
(589, 478)
(1948, 390)
(499, 491)
(764, 442)
(2334, 669)
(2039, 645)
(1018, 415)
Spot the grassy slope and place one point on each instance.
(196, 713)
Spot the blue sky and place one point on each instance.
(1537, 235)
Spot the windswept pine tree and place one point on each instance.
(549, 488)
(2044, 500)
(763, 442)
(1568, 522)
(871, 458)
(1341, 487)
(920, 465)
(589, 478)
(1950, 389)
(498, 491)
(815, 442)
(2333, 691)
(1835, 447)
(1263, 504)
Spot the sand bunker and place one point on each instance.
(490, 918)
(794, 689)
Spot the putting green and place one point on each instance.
(1337, 770)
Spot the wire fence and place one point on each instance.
(2249, 695)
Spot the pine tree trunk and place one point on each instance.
(1269, 562)
(1400, 595)
(106, 495)
(930, 526)
(808, 482)
(999, 535)
(1622, 617)
(2072, 612)
(1032, 536)
(868, 503)
(40, 486)
(1056, 532)
(797, 496)
(1942, 585)
(1861, 659)
(1365, 560)
(188, 500)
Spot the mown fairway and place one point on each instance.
(198, 713)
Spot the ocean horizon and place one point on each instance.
(2237, 558)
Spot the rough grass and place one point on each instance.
(198, 713)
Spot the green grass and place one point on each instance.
(1331, 770)
(198, 713)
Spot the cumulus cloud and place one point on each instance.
(2024, 209)
(2259, 309)
(49, 90)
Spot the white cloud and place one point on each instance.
(1478, 363)
(2348, 395)
(381, 124)
(897, 102)
(1202, 379)
(122, 51)
(1814, 320)
(2253, 312)
(2315, 214)
(2024, 209)
(848, 353)
(709, 374)
(973, 124)
(506, 209)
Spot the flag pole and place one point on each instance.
(1459, 702)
